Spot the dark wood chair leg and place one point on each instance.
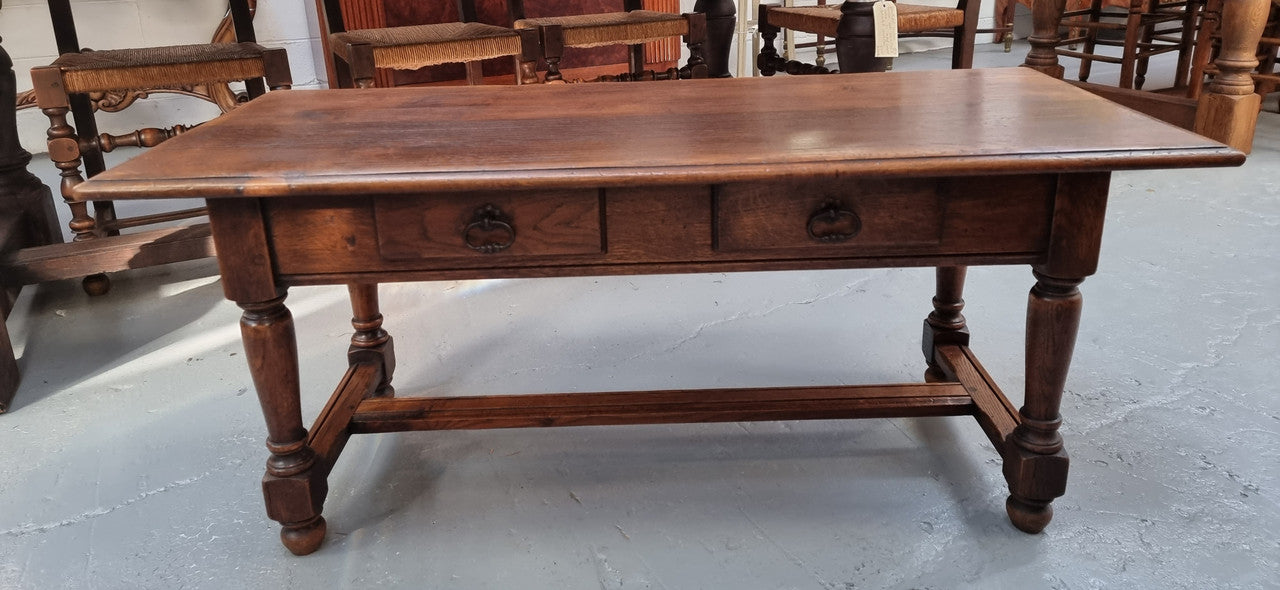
(276, 66)
(964, 37)
(696, 67)
(1186, 42)
(1132, 35)
(945, 324)
(856, 40)
(530, 52)
(1090, 41)
(768, 60)
(369, 339)
(361, 66)
(722, 20)
(294, 485)
(552, 51)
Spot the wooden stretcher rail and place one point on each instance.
(329, 434)
(661, 407)
(994, 412)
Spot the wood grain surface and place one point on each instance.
(397, 141)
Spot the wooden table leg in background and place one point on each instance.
(945, 324)
(1228, 109)
(27, 217)
(370, 342)
(722, 20)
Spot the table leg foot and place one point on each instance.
(1029, 516)
(96, 284)
(305, 537)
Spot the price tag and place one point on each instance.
(886, 22)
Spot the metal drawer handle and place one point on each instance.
(489, 232)
(833, 223)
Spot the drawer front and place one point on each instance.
(838, 216)
(489, 225)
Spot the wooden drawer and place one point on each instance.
(489, 225)
(834, 215)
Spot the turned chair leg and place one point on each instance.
(527, 61)
(1090, 40)
(696, 67)
(552, 50)
(768, 60)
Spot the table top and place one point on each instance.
(411, 140)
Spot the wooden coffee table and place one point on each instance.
(359, 187)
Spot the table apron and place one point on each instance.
(815, 223)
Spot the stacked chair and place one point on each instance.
(1148, 28)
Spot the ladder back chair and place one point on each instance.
(1149, 27)
(358, 53)
(79, 81)
(849, 23)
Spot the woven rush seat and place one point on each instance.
(822, 20)
(161, 67)
(613, 28)
(416, 46)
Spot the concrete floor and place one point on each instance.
(134, 450)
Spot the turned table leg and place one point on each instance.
(1035, 464)
(369, 338)
(1045, 16)
(856, 40)
(945, 324)
(294, 485)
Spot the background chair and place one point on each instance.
(632, 27)
(81, 80)
(1148, 30)
(357, 54)
(841, 21)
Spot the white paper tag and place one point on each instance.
(886, 22)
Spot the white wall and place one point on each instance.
(114, 24)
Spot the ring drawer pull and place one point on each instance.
(489, 232)
(832, 223)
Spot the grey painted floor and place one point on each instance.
(133, 454)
